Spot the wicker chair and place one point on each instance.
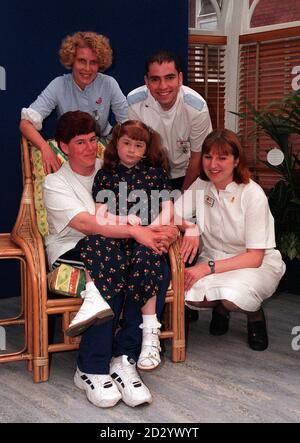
(27, 236)
(10, 251)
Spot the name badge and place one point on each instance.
(209, 200)
(184, 145)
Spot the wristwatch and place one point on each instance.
(211, 264)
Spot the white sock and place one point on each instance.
(150, 321)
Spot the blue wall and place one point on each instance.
(30, 35)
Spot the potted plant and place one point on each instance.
(279, 120)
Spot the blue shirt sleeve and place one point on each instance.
(119, 104)
(48, 99)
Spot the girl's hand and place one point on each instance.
(190, 244)
(193, 274)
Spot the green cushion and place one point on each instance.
(66, 280)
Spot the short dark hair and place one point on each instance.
(163, 56)
(73, 123)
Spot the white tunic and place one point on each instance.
(183, 128)
(233, 220)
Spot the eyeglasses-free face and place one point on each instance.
(85, 67)
(82, 152)
(219, 167)
(164, 82)
(130, 151)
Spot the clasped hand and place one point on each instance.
(157, 238)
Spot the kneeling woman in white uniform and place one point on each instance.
(238, 267)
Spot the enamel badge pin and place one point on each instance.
(209, 200)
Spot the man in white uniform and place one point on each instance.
(178, 113)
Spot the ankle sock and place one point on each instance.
(150, 321)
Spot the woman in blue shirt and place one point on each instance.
(85, 89)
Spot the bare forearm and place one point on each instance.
(248, 259)
(191, 174)
(153, 237)
(88, 225)
(29, 131)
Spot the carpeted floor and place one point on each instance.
(222, 379)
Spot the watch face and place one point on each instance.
(211, 264)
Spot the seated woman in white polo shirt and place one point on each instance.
(238, 267)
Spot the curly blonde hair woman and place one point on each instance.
(86, 89)
(98, 43)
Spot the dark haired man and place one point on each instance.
(178, 113)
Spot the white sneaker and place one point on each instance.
(94, 309)
(134, 391)
(149, 357)
(100, 389)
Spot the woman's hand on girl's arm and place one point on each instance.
(170, 234)
(154, 238)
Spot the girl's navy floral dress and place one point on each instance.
(123, 265)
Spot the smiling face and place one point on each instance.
(130, 151)
(164, 81)
(82, 152)
(219, 166)
(85, 67)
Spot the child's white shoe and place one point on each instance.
(150, 353)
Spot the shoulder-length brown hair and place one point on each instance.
(226, 142)
(136, 130)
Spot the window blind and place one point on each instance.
(266, 63)
(206, 73)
